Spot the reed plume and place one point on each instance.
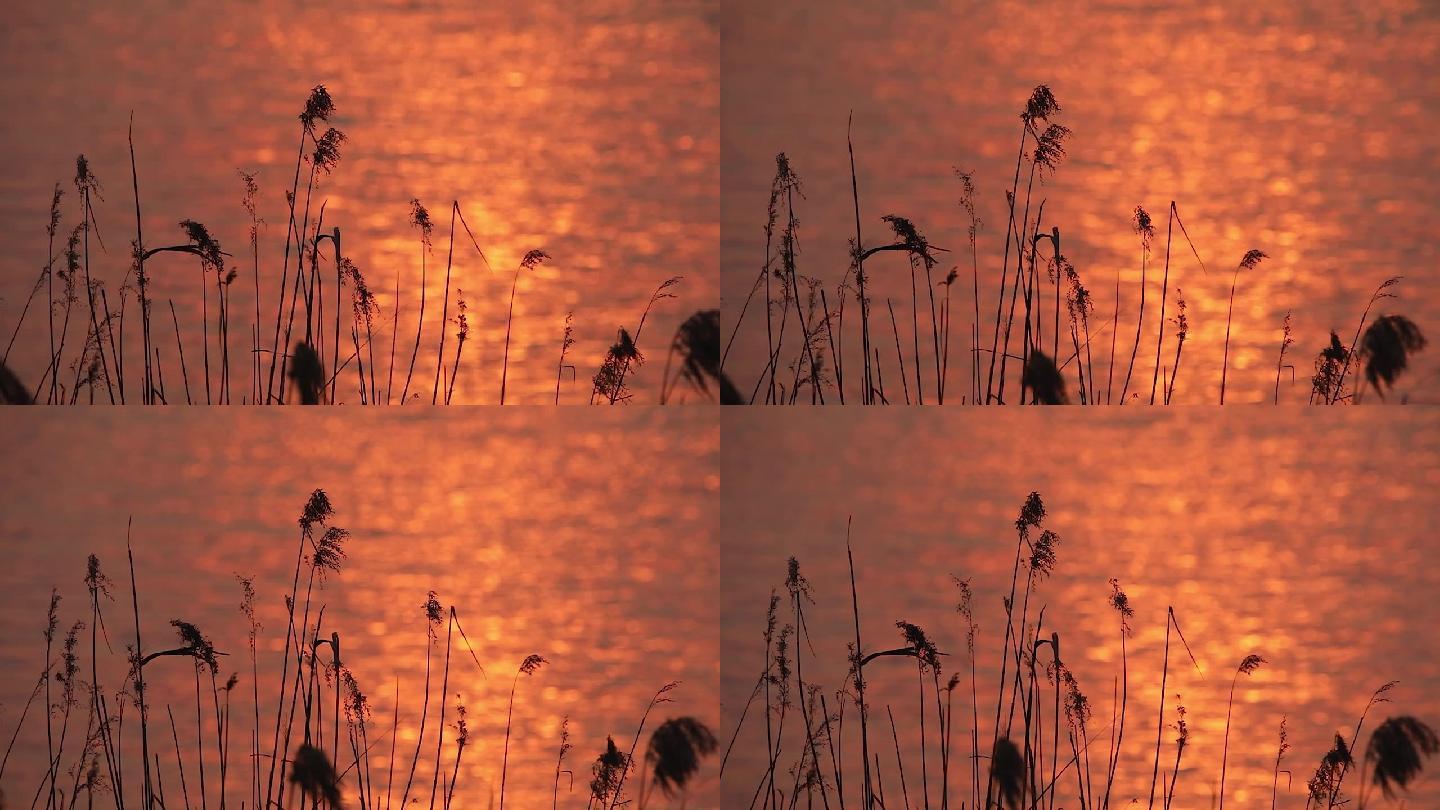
(529, 666)
(532, 260)
(1397, 751)
(1248, 262)
(1247, 666)
(675, 751)
(420, 219)
(1386, 348)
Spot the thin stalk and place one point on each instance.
(1159, 342)
(445, 312)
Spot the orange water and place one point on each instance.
(593, 545)
(1305, 542)
(587, 131)
(1293, 128)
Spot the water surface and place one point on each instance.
(593, 545)
(586, 131)
(1308, 543)
(1296, 128)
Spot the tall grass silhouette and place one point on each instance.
(1045, 747)
(320, 747)
(295, 319)
(1036, 289)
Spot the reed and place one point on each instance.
(1248, 262)
(319, 753)
(1019, 289)
(1286, 341)
(610, 383)
(532, 260)
(529, 666)
(1029, 762)
(277, 311)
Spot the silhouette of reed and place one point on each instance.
(1023, 308)
(291, 308)
(1043, 748)
(320, 750)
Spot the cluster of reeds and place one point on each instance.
(298, 351)
(311, 742)
(1044, 747)
(1045, 333)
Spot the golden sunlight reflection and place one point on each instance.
(538, 119)
(592, 545)
(1307, 543)
(1285, 127)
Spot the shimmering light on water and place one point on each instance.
(1310, 543)
(1293, 128)
(593, 545)
(589, 131)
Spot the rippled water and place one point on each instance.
(1295, 128)
(589, 131)
(1309, 543)
(593, 545)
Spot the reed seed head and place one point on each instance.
(317, 510)
(95, 579)
(420, 218)
(312, 772)
(462, 320)
(608, 770)
(1007, 767)
(434, 613)
(1042, 554)
(308, 373)
(357, 705)
(1249, 664)
(1397, 749)
(330, 551)
(252, 190)
(197, 645)
(52, 618)
(1050, 148)
(1032, 513)
(1144, 226)
(1386, 348)
(85, 181)
(462, 725)
(565, 745)
(796, 582)
(1252, 259)
(54, 224)
(965, 605)
(1121, 603)
(532, 664)
(1330, 772)
(1040, 107)
(780, 669)
(318, 107)
(327, 150)
(1330, 364)
(206, 246)
(925, 650)
(69, 663)
(675, 751)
